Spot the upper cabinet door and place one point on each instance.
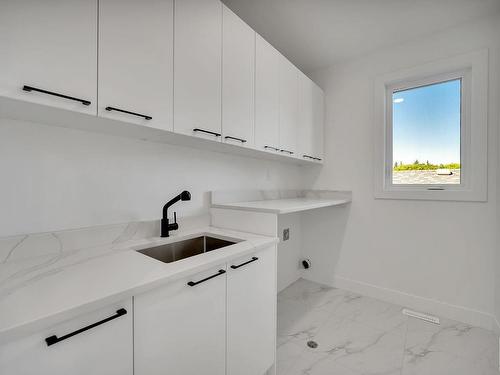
(306, 131)
(197, 68)
(238, 80)
(289, 101)
(310, 141)
(51, 48)
(319, 121)
(267, 96)
(136, 61)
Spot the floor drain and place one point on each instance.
(312, 344)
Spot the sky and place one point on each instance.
(426, 124)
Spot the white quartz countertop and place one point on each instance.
(284, 206)
(40, 291)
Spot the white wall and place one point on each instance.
(436, 256)
(497, 272)
(55, 178)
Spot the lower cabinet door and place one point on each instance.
(103, 349)
(179, 329)
(251, 313)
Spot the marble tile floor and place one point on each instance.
(358, 335)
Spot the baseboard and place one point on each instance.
(428, 305)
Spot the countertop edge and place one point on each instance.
(238, 206)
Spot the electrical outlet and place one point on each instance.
(286, 234)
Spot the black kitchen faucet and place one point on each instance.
(165, 226)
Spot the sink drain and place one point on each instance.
(312, 344)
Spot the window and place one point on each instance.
(426, 134)
(431, 131)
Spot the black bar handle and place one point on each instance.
(287, 151)
(193, 283)
(309, 157)
(146, 117)
(271, 148)
(31, 88)
(244, 264)
(54, 339)
(236, 139)
(206, 131)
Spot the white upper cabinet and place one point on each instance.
(104, 347)
(319, 122)
(306, 118)
(50, 46)
(238, 80)
(197, 67)
(267, 96)
(289, 101)
(310, 119)
(251, 313)
(136, 61)
(191, 67)
(181, 329)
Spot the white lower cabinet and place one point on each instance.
(104, 349)
(219, 321)
(251, 313)
(223, 324)
(180, 329)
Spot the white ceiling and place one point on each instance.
(317, 33)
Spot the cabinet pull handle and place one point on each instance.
(287, 151)
(146, 117)
(244, 264)
(31, 88)
(236, 139)
(54, 339)
(193, 283)
(271, 148)
(309, 157)
(206, 131)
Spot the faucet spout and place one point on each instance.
(165, 226)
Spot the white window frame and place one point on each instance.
(472, 69)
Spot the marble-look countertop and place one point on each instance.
(283, 206)
(37, 292)
(279, 202)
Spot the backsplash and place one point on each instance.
(64, 179)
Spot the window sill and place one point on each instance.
(433, 195)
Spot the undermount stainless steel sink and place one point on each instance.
(186, 248)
